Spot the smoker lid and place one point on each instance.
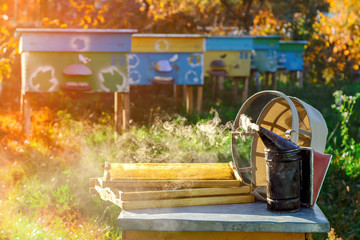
(280, 114)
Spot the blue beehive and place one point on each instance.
(167, 58)
(290, 55)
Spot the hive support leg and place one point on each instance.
(267, 76)
(118, 108)
(215, 86)
(273, 80)
(221, 83)
(291, 79)
(280, 75)
(245, 91)
(235, 90)
(126, 112)
(189, 99)
(176, 94)
(257, 80)
(122, 112)
(184, 93)
(199, 96)
(300, 77)
(25, 111)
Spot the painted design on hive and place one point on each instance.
(163, 66)
(174, 58)
(194, 60)
(80, 44)
(134, 61)
(41, 74)
(83, 59)
(191, 76)
(117, 59)
(134, 75)
(271, 58)
(161, 45)
(112, 78)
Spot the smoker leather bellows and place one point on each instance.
(289, 118)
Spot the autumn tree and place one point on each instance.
(334, 49)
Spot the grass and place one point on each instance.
(44, 184)
(44, 191)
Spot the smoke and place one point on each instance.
(169, 139)
(246, 126)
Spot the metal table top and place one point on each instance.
(245, 217)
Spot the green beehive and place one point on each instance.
(87, 60)
(92, 60)
(265, 56)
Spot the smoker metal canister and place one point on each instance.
(282, 172)
(283, 180)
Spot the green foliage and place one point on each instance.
(340, 195)
(348, 152)
(339, 199)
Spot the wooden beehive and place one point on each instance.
(156, 185)
(234, 51)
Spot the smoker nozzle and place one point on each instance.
(275, 142)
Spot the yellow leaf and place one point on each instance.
(346, 52)
(356, 67)
(87, 18)
(64, 25)
(4, 7)
(101, 18)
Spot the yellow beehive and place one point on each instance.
(163, 43)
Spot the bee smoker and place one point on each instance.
(282, 172)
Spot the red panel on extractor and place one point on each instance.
(321, 165)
